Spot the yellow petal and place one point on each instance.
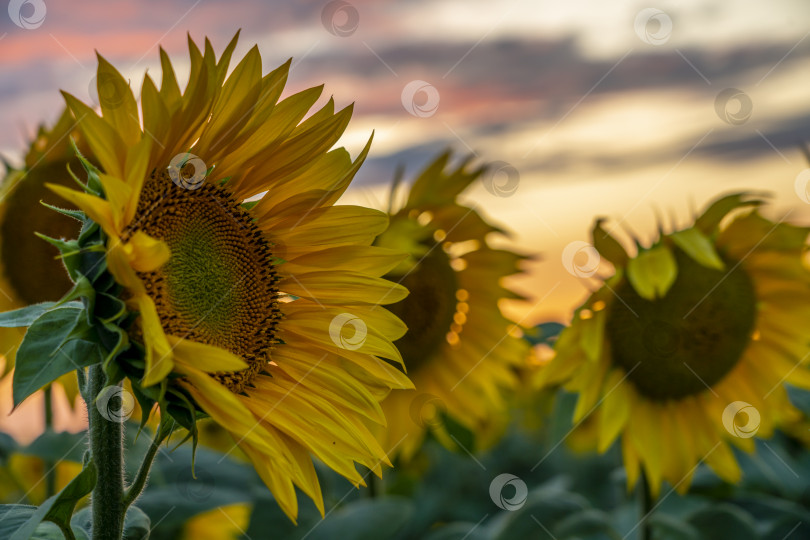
(96, 208)
(159, 356)
(147, 254)
(208, 358)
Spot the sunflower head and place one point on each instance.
(220, 275)
(705, 319)
(460, 350)
(29, 272)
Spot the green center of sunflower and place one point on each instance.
(28, 262)
(219, 286)
(428, 310)
(687, 341)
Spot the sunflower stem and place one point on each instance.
(134, 490)
(645, 531)
(106, 448)
(50, 466)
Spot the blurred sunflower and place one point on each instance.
(238, 300)
(707, 323)
(460, 351)
(28, 273)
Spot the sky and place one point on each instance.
(639, 112)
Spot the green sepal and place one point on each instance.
(109, 308)
(82, 289)
(710, 219)
(698, 246)
(46, 354)
(93, 181)
(69, 252)
(250, 204)
(652, 272)
(59, 508)
(121, 344)
(607, 246)
(26, 316)
(147, 404)
(78, 215)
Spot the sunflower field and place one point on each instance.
(225, 314)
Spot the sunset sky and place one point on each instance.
(612, 109)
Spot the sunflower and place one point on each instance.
(221, 231)
(28, 274)
(688, 346)
(460, 350)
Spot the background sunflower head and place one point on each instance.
(257, 298)
(29, 271)
(688, 346)
(460, 350)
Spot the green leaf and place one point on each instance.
(724, 521)
(7, 446)
(54, 447)
(698, 246)
(652, 272)
(590, 522)
(27, 315)
(667, 527)
(59, 508)
(44, 356)
(13, 516)
(219, 482)
(366, 519)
